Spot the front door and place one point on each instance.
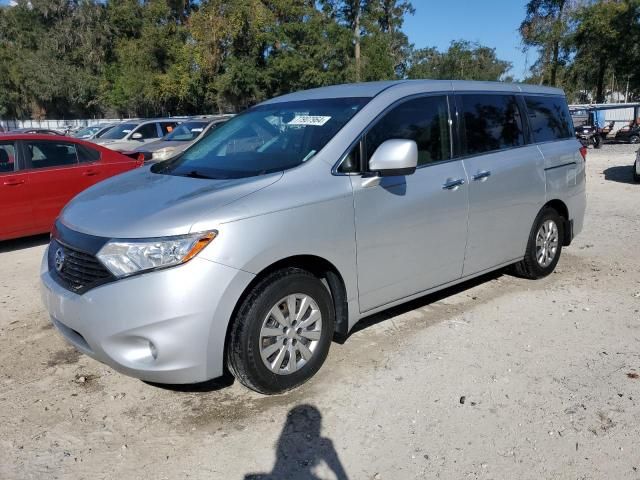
(411, 230)
(15, 203)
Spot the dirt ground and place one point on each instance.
(497, 378)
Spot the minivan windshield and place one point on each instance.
(265, 139)
(186, 131)
(119, 131)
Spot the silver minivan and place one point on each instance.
(286, 226)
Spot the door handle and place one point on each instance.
(13, 183)
(453, 184)
(89, 173)
(482, 175)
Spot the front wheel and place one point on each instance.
(282, 332)
(544, 246)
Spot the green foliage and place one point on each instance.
(463, 60)
(76, 58)
(584, 45)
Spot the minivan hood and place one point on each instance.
(141, 204)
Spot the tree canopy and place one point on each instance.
(79, 58)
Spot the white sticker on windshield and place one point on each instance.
(317, 121)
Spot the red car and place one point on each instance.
(39, 174)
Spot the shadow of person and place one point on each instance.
(301, 452)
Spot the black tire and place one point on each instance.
(636, 176)
(243, 349)
(597, 141)
(634, 139)
(529, 267)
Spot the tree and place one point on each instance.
(544, 28)
(463, 60)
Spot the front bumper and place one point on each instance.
(166, 326)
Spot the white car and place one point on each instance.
(132, 134)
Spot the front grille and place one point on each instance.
(76, 270)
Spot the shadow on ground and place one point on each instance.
(302, 453)
(621, 174)
(22, 243)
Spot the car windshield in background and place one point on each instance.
(86, 132)
(186, 131)
(119, 131)
(265, 139)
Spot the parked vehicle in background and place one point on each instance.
(93, 131)
(180, 139)
(132, 134)
(303, 215)
(39, 174)
(36, 131)
(629, 133)
(589, 128)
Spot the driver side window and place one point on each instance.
(424, 120)
(148, 131)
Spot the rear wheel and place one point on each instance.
(634, 139)
(282, 332)
(544, 246)
(636, 171)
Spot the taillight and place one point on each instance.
(583, 152)
(141, 157)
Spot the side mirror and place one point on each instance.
(395, 157)
(136, 136)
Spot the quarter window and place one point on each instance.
(7, 157)
(424, 120)
(490, 122)
(549, 118)
(45, 154)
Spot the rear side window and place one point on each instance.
(424, 120)
(549, 118)
(87, 154)
(490, 122)
(44, 154)
(7, 157)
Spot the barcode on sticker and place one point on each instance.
(309, 120)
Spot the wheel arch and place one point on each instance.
(322, 269)
(562, 209)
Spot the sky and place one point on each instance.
(493, 23)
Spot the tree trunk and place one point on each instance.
(556, 46)
(554, 63)
(602, 67)
(356, 37)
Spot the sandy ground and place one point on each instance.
(497, 378)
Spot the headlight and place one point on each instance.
(126, 257)
(163, 153)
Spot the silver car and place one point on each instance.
(308, 212)
(182, 136)
(131, 134)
